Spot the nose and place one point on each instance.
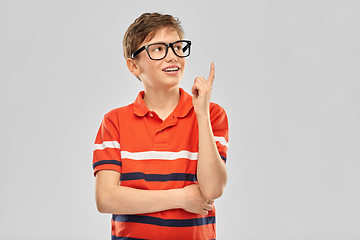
(171, 55)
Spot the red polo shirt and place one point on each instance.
(153, 154)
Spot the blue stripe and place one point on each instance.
(115, 162)
(223, 158)
(125, 238)
(164, 222)
(158, 177)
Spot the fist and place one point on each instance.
(194, 202)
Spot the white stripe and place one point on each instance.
(222, 141)
(159, 155)
(107, 144)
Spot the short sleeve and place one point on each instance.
(106, 154)
(220, 127)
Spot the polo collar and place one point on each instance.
(185, 104)
(140, 108)
(182, 109)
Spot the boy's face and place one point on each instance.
(153, 73)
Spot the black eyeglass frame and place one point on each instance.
(171, 45)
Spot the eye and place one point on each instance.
(178, 47)
(157, 48)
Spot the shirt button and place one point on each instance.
(151, 115)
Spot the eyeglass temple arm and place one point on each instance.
(137, 52)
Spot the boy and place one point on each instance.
(167, 149)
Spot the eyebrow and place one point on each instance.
(164, 41)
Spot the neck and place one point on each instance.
(163, 102)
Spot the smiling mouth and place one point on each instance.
(174, 69)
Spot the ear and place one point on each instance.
(132, 66)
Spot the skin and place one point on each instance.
(162, 96)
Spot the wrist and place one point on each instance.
(177, 198)
(203, 117)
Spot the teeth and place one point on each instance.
(171, 69)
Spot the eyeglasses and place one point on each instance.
(158, 51)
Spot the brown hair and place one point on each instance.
(145, 27)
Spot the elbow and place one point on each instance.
(100, 205)
(214, 192)
(212, 195)
(101, 208)
(212, 188)
(101, 202)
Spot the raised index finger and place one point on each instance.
(212, 74)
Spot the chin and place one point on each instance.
(171, 84)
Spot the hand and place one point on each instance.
(201, 91)
(194, 202)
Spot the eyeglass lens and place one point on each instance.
(159, 50)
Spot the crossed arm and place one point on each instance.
(112, 198)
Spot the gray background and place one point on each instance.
(287, 72)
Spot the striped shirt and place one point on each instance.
(153, 154)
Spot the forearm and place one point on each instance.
(211, 170)
(125, 200)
